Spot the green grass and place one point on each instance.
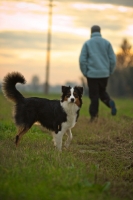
(94, 167)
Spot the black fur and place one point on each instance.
(27, 111)
(9, 88)
(48, 112)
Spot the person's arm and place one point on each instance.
(112, 59)
(83, 60)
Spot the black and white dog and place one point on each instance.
(59, 116)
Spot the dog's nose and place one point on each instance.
(72, 99)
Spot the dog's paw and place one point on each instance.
(54, 142)
(66, 145)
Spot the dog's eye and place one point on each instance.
(68, 95)
(75, 95)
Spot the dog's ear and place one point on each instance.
(80, 89)
(65, 88)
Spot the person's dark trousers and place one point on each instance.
(97, 90)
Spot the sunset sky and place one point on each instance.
(23, 34)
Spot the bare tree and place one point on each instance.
(125, 55)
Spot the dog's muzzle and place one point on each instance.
(72, 100)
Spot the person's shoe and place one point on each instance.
(113, 108)
(93, 119)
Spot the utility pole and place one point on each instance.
(46, 87)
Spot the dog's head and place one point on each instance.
(72, 95)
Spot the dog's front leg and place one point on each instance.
(69, 138)
(58, 140)
(54, 140)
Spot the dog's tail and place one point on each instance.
(8, 86)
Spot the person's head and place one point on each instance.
(95, 28)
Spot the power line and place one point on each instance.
(46, 89)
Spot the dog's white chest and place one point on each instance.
(71, 111)
(71, 120)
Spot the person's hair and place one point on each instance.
(95, 28)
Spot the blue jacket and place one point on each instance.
(97, 58)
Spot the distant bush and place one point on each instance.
(121, 83)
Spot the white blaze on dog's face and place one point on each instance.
(70, 96)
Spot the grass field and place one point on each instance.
(97, 165)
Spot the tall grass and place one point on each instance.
(96, 166)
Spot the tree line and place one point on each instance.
(121, 82)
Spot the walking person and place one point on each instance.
(97, 62)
